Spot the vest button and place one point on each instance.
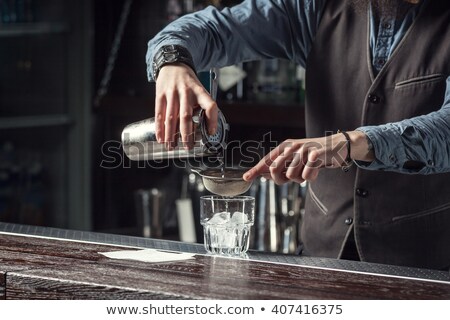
(363, 193)
(393, 158)
(348, 221)
(381, 62)
(373, 98)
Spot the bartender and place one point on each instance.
(377, 114)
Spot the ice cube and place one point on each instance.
(220, 218)
(239, 218)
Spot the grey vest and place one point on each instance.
(397, 218)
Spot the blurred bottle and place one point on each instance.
(8, 182)
(4, 11)
(29, 11)
(215, 3)
(33, 197)
(188, 6)
(19, 8)
(16, 11)
(232, 82)
(273, 81)
(300, 80)
(174, 10)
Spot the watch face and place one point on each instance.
(170, 54)
(170, 57)
(169, 49)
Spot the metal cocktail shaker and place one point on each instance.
(139, 138)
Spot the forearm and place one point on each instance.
(207, 36)
(360, 149)
(417, 145)
(252, 30)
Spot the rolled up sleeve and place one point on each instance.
(252, 30)
(423, 141)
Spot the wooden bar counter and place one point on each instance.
(61, 265)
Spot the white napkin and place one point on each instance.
(148, 255)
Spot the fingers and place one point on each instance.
(160, 116)
(291, 161)
(211, 110)
(280, 166)
(178, 92)
(295, 169)
(262, 167)
(186, 125)
(311, 169)
(176, 98)
(256, 171)
(172, 109)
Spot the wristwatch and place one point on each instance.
(171, 54)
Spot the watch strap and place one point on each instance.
(170, 54)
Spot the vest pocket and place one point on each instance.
(420, 80)
(316, 200)
(423, 213)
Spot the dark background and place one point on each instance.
(54, 126)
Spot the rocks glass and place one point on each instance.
(226, 223)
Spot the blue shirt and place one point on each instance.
(292, 28)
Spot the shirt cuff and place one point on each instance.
(388, 149)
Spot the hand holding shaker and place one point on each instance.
(139, 138)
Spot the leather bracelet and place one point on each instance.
(348, 160)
